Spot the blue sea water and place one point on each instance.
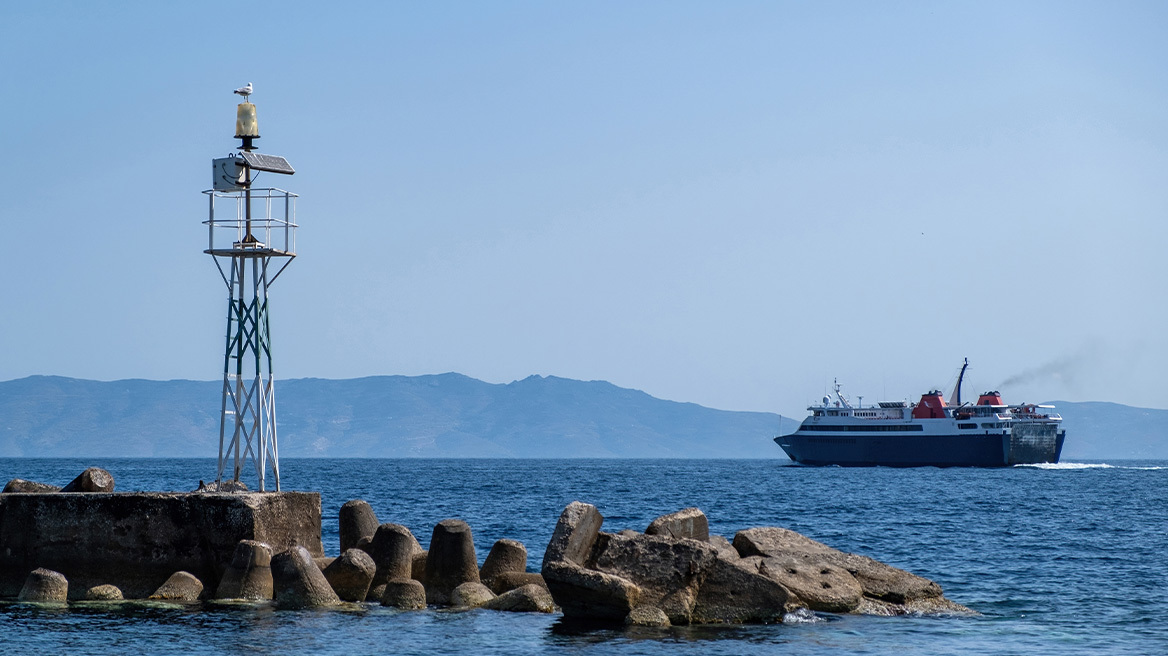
(1061, 559)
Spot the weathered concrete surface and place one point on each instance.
(299, 583)
(506, 556)
(137, 540)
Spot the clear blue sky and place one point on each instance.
(728, 203)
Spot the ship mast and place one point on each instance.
(955, 397)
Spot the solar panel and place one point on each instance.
(270, 163)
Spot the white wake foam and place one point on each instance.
(1088, 465)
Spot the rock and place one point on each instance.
(505, 556)
(19, 485)
(406, 594)
(530, 598)
(375, 592)
(731, 591)
(647, 616)
(181, 586)
(418, 566)
(690, 523)
(298, 582)
(249, 576)
(877, 579)
(323, 562)
(507, 581)
(392, 548)
(725, 549)
(587, 593)
(574, 535)
(44, 585)
(357, 520)
(228, 486)
(364, 544)
(94, 479)
(820, 585)
(351, 574)
(451, 560)
(471, 594)
(667, 570)
(104, 592)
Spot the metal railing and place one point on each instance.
(271, 221)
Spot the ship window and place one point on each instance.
(967, 425)
(818, 413)
(831, 413)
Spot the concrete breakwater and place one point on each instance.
(265, 548)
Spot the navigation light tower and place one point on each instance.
(251, 247)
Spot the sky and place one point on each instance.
(725, 203)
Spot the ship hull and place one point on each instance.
(1028, 444)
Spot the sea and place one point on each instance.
(1055, 559)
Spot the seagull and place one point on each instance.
(244, 91)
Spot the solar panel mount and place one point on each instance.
(269, 163)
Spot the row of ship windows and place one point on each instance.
(988, 425)
(900, 428)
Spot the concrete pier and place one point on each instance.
(137, 540)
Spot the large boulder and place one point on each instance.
(822, 586)
(44, 585)
(878, 580)
(94, 479)
(351, 574)
(733, 591)
(505, 556)
(574, 535)
(392, 548)
(406, 594)
(451, 560)
(181, 586)
(249, 576)
(356, 520)
(299, 583)
(23, 486)
(589, 593)
(667, 570)
(530, 598)
(688, 523)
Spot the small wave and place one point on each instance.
(802, 616)
(1067, 465)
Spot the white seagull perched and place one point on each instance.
(244, 91)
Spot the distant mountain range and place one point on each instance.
(452, 416)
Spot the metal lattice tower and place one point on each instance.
(251, 246)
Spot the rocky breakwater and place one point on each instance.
(137, 541)
(677, 573)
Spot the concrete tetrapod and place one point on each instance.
(249, 576)
(181, 586)
(351, 574)
(44, 585)
(393, 548)
(299, 583)
(356, 520)
(451, 560)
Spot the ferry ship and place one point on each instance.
(929, 433)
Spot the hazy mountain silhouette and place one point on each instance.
(449, 415)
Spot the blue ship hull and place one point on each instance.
(1026, 446)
